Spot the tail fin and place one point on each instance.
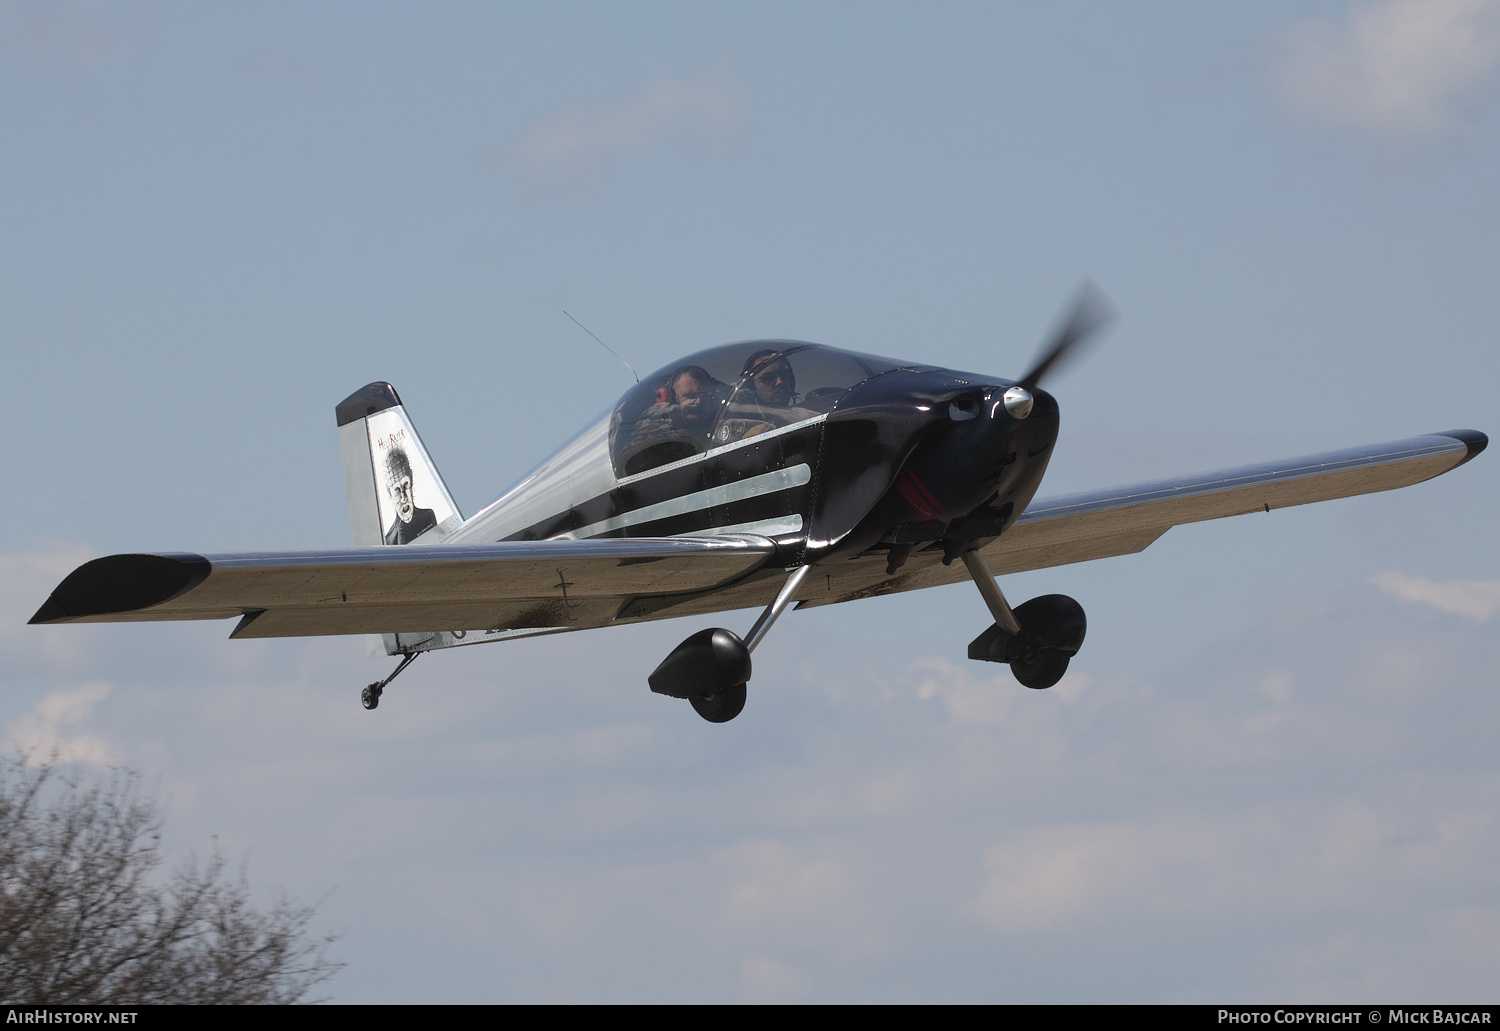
(396, 494)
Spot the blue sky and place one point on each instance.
(1270, 773)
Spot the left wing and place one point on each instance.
(512, 585)
(1125, 520)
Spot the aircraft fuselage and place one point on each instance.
(874, 454)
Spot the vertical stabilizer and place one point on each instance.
(395, 493)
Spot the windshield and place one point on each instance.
(729, 393)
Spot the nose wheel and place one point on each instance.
(1040, 668)
(1037, 639)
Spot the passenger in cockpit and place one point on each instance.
(695, 392)
(677, 425)
(765, 399)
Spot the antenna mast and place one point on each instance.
(602, 344)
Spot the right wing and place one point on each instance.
(508, 586)
(1125, 520)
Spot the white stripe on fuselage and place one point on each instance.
(758, 438)
(773, 527)
(740, 490)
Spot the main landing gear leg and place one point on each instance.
(710, 669)
(370, 696)
(1037, 639)
(774, 610)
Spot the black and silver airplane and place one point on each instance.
(752, 474)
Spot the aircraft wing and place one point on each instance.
(512, 585)
(544, 586)
(1124, 520)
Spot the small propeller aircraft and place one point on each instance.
(753, 474)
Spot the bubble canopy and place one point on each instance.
(729, 393)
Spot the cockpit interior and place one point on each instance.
(726, 394)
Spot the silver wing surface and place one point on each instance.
(522, 587)
(509, 586)
(1124, 520)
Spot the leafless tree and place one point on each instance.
(87, 915)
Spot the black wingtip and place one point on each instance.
(1473, 440)
(50, 612)
(122, 583)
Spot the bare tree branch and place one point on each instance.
(84, 921)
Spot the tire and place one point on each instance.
(722, 707)
(369, 698)
(1040, 669)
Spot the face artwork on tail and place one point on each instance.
(410, 522)
(759, 474)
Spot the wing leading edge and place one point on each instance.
(511, 585)
(1124, 520)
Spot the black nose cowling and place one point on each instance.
(906, 454)
(980, 461)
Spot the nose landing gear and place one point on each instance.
(1037, 639)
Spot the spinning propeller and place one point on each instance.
(940, 469)
(1090, 312)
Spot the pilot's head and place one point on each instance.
(773, 378)
(398, 482)
(693, 388)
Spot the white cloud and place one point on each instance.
(29, 577)
(1046, 878)
(970, 694)
(1395, 68)
(1477, 599)
(47, 730)
(763, 979)
(712, 106)
(815, 894)
(1317, 854)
